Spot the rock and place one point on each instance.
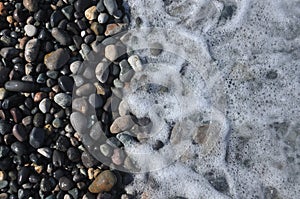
(156, 49)
(2, 9)
(126, 72)
(73, 154)
(21, 86)
(66, 83)
(32, 50)
(56, 17)
(103, 18)
(46, 152)
(78, 121)
(37, 137)
(81, 105)
(103, 182)
(23, 175)
(58, 158)
(88, 160)
(4, 72)
(95, 100)
(91, 13)
(200, 135)
(85, 89)
(65, 183)
(57, 123)
(4, 151)
(118, 156)
(112, 29)
(45, 105)
(102, 71)
(30, 30)
(38, 120)
(113, 52)
(47, 184)
(31, 5)
(63, 100)
(106, 150)
(81, 5)
(3, 93)
(74, 67)
(9, 52)
(111, 6)
(56, 59)
(123, 108)
(61, 36)
(19, 148)
(97, 28)
(68, 11)
(135, 63)
(20, 132)
(123, 123)
(62, 143)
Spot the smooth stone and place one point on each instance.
(61, 36)
(106, 150)
(13, 101)
(135, 63)
(56, 59)
(200, 135)
(46, 152)
(62, 143)
(66, 83)
(123, 123)
(47, 184)
(81, 105)
(126, 72)
(4, 151)
(74, 66)
(31, 5)
(91, 13)
(81, 5)
(45, 105)
(20, 132)
(58, 158)
(111, 6)
(102, 71)
(30, 30)
(18, 148)
(100, 6)
(38, 120)
(4, 75)
(123, 108)
(23, 175)
(97, 29)
(103, 182)
(37, 137)
(96, 131)
(68, 11)
(63, 100)
(57, 123)
(96, 100)
(56, 17)
(115, 28)
(88, 160)
(78, 80)
(113, 52)
(156, 48)
(78, 121)
(73, 154)
(3, 93)
(3, 184)
(9, 52)
(21, 86)
(32, 50)
(118, 156)
(85, 89)
(41, 79)
(103, 18)
(65, 183)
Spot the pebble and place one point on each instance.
(31, 5)
(102, 71)
(68, 11)
(123, 108)
(63, 100)
(56, 59)
(45, 151)
(38, 120)
(2, 9)
(39, 96)
(81, 105)
(45, 105)
(81, 5)
(74, 67)
(103, 182)
(57, 123)
(9, 52)
(18, 148)
(91, 13)
(58, 158)
(21, 86)
(78, 121)
(111, 6)
(3, 184)
(3, 93)
(103, 18)
(123, 123)
(37, 137)
(118, 156)
(62, 143)
(200, 135)
(106, 150)
(88, 160)
(85, 89)
(97, 28)
(66, 83)
(156, 48)
(96, 100)
(20, 132)
(4, 150)
(61, 36)
(47, 184)
(135, 63)
(126, 72)
(113, 52)
(115, 28)
(30, 30)
(73, 154)
(65, 183)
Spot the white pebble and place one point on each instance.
(135, 63)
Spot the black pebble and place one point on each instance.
(5, 127)
(88, 160)
(23, 175)
(37, 137)
(62, 143)
(65, 183)
(73, 154)
(66, 83)
(56, 17)
(58, 158)
(19, 148)
(21, 86)
(38, 120)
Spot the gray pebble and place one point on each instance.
(78, 121)
(85, 89)
(37, 137)
(63, 100)
(123, 123)
(56, 59)
(95, 100)
(111, 6)
(102, 18)
(81, 105)
(106, 150)
(61, 36)
(32, 50)
(102, 71)
(75, 66)
(30, 30)
(113, 52)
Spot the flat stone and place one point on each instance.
(103, 182)
(91, 13)
(21, 86)
(123, 123)
(20, 132)
(32, 50)
(78, 121)
(63, 100)
(31, 5)
(56, 59)
(112, 29)
(135, 63)
(37, 137)
(30, 30)
(61, 36)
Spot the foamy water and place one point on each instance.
(241, 77)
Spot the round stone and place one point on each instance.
(32, 50)
(65, 183)
(30, 30)
(20, 132)
(78, 121)
(102, 18)
(63, 100)
(156, 49)
(45, 105)
(37, 137)
(56, 59)
(103, 182)
(123, 123)
(91, 13)
(135, 63)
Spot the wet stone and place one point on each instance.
(123, 123)
(56, 59)
(103, 182)
(106, 150)
(102, 18)
(9, 52)
(81, 5)
(81, 105)
(20, 132)
(68, 11)
(156, 49)
(32, 50)
(63, 100)
(113, 52)
(38, 120)
(37, 137)
(4, 150)
(31, 5)
(66, 83)
(58, 158)
(45, 105)
(85, 89)
(65, 184)
(5, 127)
(112, 29)
(78, 121)
(61, 36)
(111, 6)
(118, 156)
(97, 28)
(62, 143)
(18, 148)
(96, 100)
(30, 30)
(102, 71)
(91, 13)
(88, 160)
(74, 154)
(46, 152)
(56, 17)
(74, 67)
